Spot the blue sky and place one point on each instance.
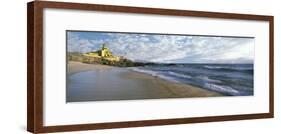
(165, 48)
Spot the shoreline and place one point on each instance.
(113, 83)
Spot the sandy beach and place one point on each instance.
(76, 67)
(94, 82)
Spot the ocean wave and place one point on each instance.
(229, 68)
(207, 79)
(226, 82)
(155, 74)
(221, 89)
(179, 75)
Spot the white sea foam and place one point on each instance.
(220, 88)
(213, 67)
(207, 79)
(228, 67)
(179, 75)
(155, 74)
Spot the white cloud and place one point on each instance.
(170, 48)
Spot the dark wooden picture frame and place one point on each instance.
(35, 66)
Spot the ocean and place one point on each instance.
(227, 79)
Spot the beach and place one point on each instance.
(95, 82)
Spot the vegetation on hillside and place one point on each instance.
(123, 62)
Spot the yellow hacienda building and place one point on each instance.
(103, 53)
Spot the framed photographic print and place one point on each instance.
(101, 66)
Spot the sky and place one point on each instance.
(165, 48)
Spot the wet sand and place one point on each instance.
(76, 67)
(94, 82)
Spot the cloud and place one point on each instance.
(221, 50)
(166, 48)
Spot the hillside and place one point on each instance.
(122, 62)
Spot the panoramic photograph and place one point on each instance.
(107, 66)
